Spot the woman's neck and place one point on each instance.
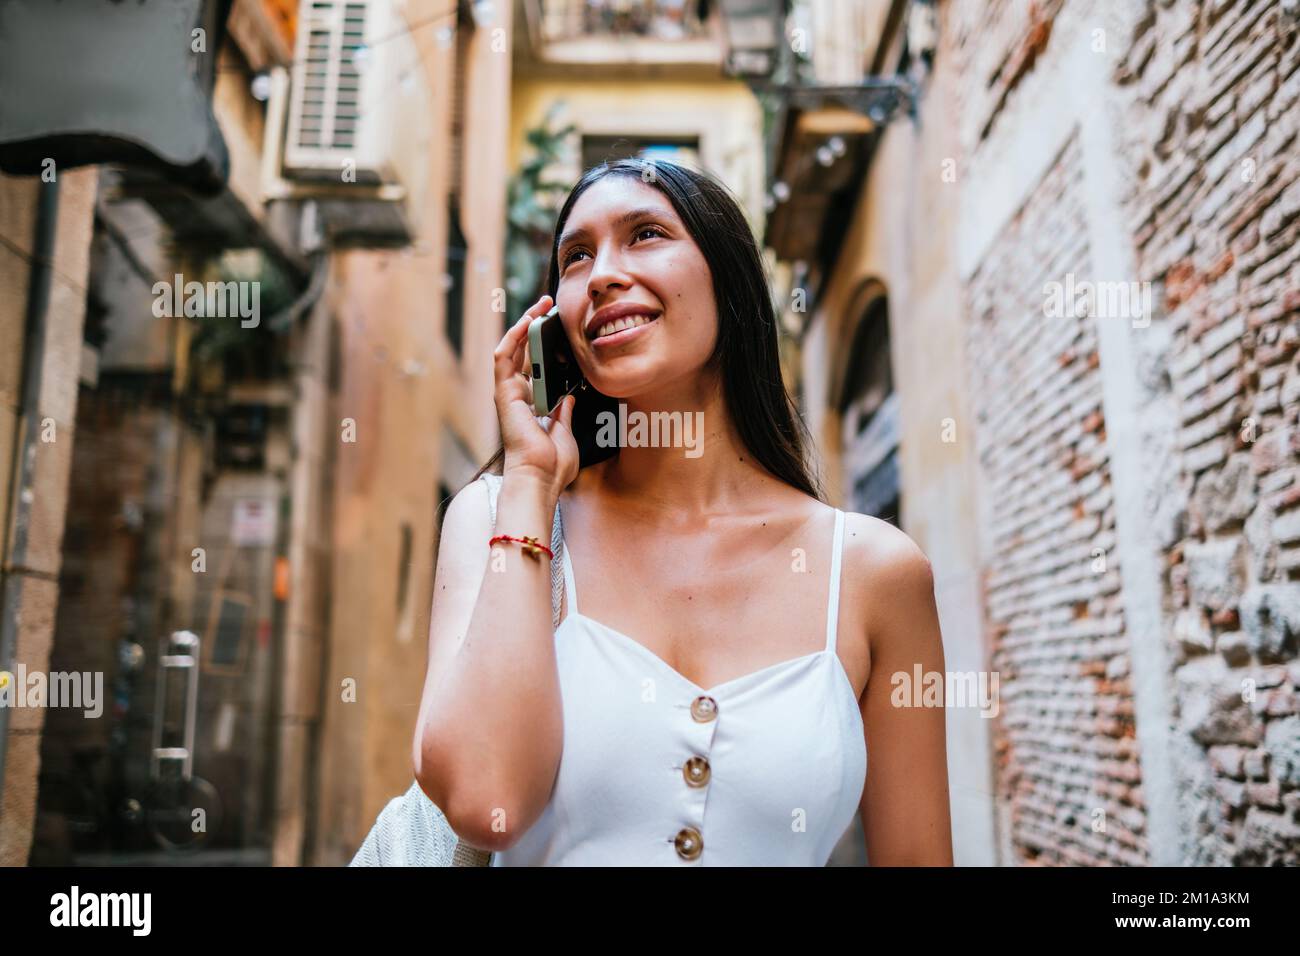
(689, 461)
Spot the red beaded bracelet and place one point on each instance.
(531, 545)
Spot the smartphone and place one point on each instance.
(555, 371)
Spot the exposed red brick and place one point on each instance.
(1031, 45)
(1181, 282)
(1222, 265)
(1288, 499)
(1226, 618)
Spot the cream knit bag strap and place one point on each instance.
(465, 855)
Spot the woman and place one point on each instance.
(706, 700)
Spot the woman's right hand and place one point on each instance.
(542, 449)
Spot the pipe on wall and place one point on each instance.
(22, 466)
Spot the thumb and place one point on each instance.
(566, 412)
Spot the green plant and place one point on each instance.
(532, 202)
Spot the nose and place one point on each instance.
(606, 272)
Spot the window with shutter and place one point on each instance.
(328, 73)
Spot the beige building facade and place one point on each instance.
(272, 486)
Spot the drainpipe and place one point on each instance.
(18, 509)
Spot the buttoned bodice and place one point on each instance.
(764, 769)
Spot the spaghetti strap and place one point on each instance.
(833, 601)
(570, 586)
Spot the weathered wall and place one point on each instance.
(1138, 532)
(407, 390)
(1067, 744)
(1180, 123)
(903, 235)
(1212, 90)
(59, 377)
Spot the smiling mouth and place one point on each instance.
(625, 324)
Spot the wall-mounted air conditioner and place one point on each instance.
(351, 120)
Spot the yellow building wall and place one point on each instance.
(725, 115)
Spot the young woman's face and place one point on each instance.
(624, 247)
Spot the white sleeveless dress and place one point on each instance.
(766, 769)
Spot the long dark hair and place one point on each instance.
(746, 352)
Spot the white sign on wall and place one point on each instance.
(253, 524)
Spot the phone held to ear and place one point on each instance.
(555, 370)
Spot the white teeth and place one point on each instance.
(618, 325)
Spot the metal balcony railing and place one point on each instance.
(666, 20)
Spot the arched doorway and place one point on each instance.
(868, 408)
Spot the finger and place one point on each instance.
(523, 357)
(510, 340)
(566, 412)
(506, 356)
(520, 354)
(557, 416)
(515, 387)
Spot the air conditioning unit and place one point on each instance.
(354, 114)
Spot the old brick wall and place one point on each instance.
(1066, 747)
(1206, 160)
(1212, 93)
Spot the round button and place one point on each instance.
(696, 772)
(689, 843)
(704, 709)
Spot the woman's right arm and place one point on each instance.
(490, 728)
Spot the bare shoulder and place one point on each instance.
(468, 511)
(874, 547)
(886, 575)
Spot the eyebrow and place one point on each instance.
(643, 212)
